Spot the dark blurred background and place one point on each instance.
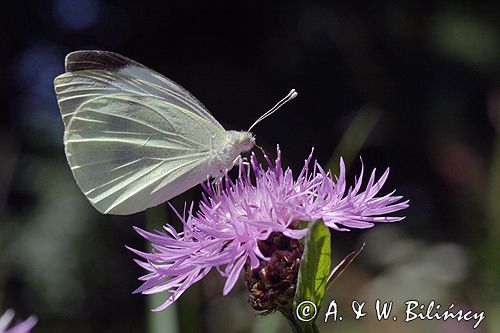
(410, 85)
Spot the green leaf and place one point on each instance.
(314, 266)
(343, 265)
(302, 225)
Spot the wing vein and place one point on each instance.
(147, 125)
(154, 180)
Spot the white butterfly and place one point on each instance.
(134, 138)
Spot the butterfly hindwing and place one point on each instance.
(124, 149)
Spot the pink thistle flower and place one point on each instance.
(22, 327)
(234, 217)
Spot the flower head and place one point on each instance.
(235, 217)
(22, 327)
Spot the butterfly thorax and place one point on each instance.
(237, 142)
(240, 141)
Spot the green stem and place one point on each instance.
(166, 320)
(353, 139)
(298, 327)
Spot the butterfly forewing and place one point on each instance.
(91, 74)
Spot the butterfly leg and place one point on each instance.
(243, 163)
(216, 185)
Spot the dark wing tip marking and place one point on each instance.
(94, 59)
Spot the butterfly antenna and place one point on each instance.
(291, 95)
